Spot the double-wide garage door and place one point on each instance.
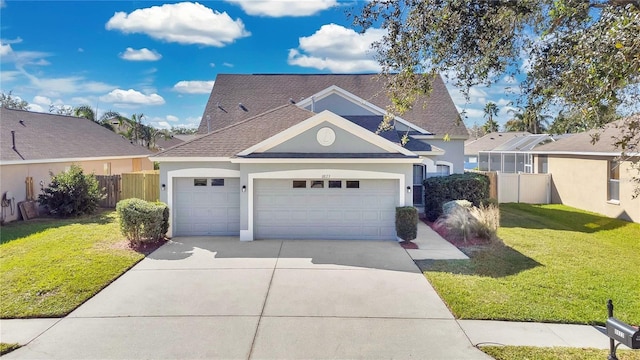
(325, 209)
(206, 206)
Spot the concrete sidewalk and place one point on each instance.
(479, 333)
(431, 246)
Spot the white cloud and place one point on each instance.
(132, 97)
(193, 87)
(37, 108)
(143, 54)
(337, 49)
(8, 76)
(212, 65)
(163, 125)
(172, 118)
(184, 23)
(42, 100)
(80, 50)
(2, 4)
(229, 65)
(278, 8)
(5, 49)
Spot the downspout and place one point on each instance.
(13, 139)
(313, 104)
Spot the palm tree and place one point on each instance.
(518, 122)
(490, 110)
(85, 111)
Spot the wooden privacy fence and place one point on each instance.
(111, 184)
(141, 185)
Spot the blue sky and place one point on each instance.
(161, 58)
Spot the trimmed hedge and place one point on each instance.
(439, 190)
(407, 222)
(143, 221)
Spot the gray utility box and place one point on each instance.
(623, 333)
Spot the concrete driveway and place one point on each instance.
(219, 298)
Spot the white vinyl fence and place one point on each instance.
(524, 188)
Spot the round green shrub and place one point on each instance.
(143, 221)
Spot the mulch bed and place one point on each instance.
(457, 241)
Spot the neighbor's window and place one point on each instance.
(335, 184)
(317, 184)
(217, 182)
(199, 182)
(353, 184)
(543, 164)
(299, 184)
(614, 180)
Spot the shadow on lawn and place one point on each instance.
(556, 218)
(23, 228)
(494, 261)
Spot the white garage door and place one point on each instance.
(206, 206)
(325, 209)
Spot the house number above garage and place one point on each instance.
(326, 136)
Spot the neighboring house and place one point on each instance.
(164, 144)
(490, 141)
(592, 176)
(514, 155)
(297, 156)
(35, 144)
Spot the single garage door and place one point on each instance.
(325, 209)
(206, 206)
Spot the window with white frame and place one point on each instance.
(614, 181)
(418, 188)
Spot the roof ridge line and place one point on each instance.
(232, 126)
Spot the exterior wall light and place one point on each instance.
(163, 187)
(408, 189)
(244, 188)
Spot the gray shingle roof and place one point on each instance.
(230, 140)
(261, 92)
(582, 142)
(40, 136)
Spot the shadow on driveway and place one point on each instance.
(229, 252)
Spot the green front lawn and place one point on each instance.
(556, 353)
(559, 264)
(49, 267)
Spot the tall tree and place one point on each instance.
(8, 101)
(490, 110)
(575, 54)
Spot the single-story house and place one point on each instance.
(592, 176)
(37, 144)
(490, 141)
(299, 156)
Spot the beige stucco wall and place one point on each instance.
(582, 182)
(12, 177)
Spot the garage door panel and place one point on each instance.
(282, 211)
(206, 210)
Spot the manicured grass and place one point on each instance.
(559, 264)
(5, 348)
(556, 353)
(49, 267)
